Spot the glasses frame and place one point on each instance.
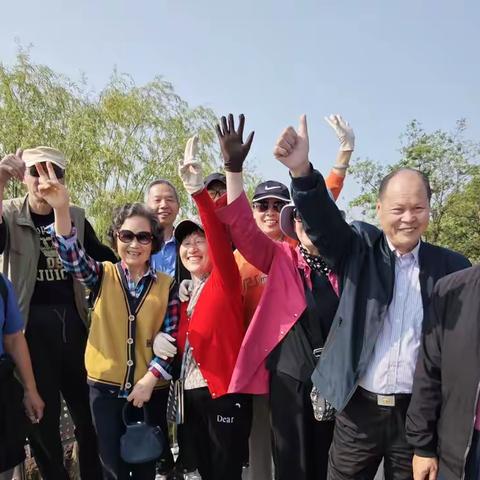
(264, 205)
(136, 236)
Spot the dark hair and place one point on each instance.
(129, 210)
(386, 179)
(161, 181)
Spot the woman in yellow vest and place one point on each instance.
(132, 303)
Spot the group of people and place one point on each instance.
(279, 335)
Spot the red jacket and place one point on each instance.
(216, 329)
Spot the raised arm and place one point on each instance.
(218, 240)
(252, 243)
(322, 220)
(11, 167)
(74, 258)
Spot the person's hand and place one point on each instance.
(425, 468)
(343, 131)
(34, 405)
(190, 168)
(292, 149)
(50, 188)
(142, 391)
(12, 166)
(234, 151)
(185, 290)
(163, 346)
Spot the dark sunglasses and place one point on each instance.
(59, 172)
(216, 192)
(296, 215)
(127, 236)
(264, 205)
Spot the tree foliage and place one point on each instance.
(116, 141)
(451, 163)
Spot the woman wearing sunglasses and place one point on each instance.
(290, 324)
(210, 334)
(131, 304)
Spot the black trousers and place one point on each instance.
(300, 443)
(365, 433)
(107, 416)
(56, 338)
(218, 429)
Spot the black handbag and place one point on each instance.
(141, 442)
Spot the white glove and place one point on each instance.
(163, 346)
(185, 290)
(190, 168)
(344, 132)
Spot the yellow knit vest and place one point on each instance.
(119, 346)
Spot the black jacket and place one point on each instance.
(366, 267)
(445, 390)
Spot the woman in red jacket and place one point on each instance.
(211, 330)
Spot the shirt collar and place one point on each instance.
(150, 271)
(413, 252)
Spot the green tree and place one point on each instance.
(447, 158)
(116, 141)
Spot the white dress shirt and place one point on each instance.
(394, 357)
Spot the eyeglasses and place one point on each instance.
(216, 192)
(59, 172)
(296, 215)
(127, 236)
(264, 205)
(189, 243)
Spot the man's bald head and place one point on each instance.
(408, 172)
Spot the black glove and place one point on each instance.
(234, 151)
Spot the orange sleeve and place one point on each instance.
(334, 183)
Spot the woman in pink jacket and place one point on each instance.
(289, 327)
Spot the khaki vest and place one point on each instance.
(19, 260)
(120, 341)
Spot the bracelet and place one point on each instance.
(340, 167)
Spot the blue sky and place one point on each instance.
(380, 63)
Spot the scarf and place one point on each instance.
(315, 262)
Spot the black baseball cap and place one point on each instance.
(271, 189)
(215, 177)
(185, 228)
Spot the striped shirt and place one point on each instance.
(88, 271)
(394, 356)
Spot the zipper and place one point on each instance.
(471, 432)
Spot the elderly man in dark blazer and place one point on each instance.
(386, 281)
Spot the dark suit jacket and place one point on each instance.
(366, 266)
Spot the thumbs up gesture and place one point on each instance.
(292, 148)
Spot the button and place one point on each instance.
(266, 349)
(128, 385)
(214, 394)
(198, 364)
(295, 315)
(130, 341)
(131, 318)
(282, 332)
(191, 348)
(130, 363)
(206, 381)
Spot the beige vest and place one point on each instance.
(19, 260)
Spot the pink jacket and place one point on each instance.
(282, 302)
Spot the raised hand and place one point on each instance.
(190, 168)
(50, 188)
(234, 151)
(12, 166)
(292, 149)
(343, 131)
